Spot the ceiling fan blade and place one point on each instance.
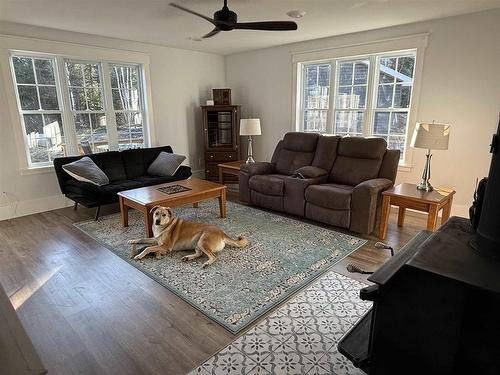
(268, 25)
(211, 33)
(193, 12)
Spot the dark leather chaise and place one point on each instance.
(125, 169)
(334, 180)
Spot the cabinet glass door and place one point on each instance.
(220, 128)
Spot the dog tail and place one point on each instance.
(240, 242)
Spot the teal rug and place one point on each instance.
(243, 284)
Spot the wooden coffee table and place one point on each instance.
(145, 198)
(408, 196)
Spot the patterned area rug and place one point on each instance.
(300, 337)
(284, 256)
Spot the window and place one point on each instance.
(127, 105)
(351, 93)
(316, 97)
(39, 107)
(87, 105)
(372, 97)
(83, 107)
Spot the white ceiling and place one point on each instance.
(153, 21)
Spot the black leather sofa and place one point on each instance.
(125, 169)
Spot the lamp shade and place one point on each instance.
(431, 136)
(250, 126)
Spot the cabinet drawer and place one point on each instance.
(211, 171)
(221, 156)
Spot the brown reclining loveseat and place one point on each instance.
(331, 179)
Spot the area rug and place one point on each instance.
(300, 337)
(284, 255)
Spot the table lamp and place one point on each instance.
(250, 126)
(431, 137)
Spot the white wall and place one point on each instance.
(460, 85)
(180, 81)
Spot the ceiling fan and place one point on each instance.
(226, 20)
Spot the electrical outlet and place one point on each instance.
(4, 199)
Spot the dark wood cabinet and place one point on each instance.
(221, 129)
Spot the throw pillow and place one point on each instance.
(86, 170)
(166, 164)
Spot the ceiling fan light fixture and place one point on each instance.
(296, 13)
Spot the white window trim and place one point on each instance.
(416, 42)
(10, 45)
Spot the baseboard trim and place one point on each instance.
(33, 206)
(199, 173)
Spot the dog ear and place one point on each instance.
(170, 212)
(153, 209)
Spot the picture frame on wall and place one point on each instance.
(221, 96)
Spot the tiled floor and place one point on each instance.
(300, 337)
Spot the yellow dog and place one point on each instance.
(173, 234)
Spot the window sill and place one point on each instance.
(404, 168)
(37, 170)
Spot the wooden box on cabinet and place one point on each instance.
(221, 134)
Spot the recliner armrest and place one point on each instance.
(365, 203)
(311, 172)
(257, 168)
(373, 186)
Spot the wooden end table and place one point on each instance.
(145, 198)
(408, 196)
(232, 168)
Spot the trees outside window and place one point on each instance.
(84, 107)
(372, 96)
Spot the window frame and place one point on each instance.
(302, 92)
(21, 112)
(62, 88)
(372, 83)
(141, 95)
(360, 47)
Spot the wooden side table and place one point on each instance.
(408, 196)
(232, 168)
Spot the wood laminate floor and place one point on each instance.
(89, 312)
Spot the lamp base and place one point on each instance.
(425, 185)
(250, 151)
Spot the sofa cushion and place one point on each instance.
(326, 152)
(118, 186)
(111, 163)
(359, 159)
(332, 196)
(338, 218)
(297, 150)
(137, 161)
(154, 180)
(269, 184)
(299, 141)
(86, 170)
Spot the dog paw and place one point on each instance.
(185, 258)
(137, 257)
(131, 242)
